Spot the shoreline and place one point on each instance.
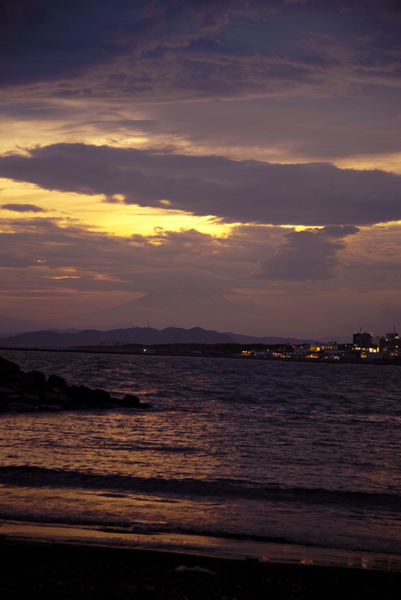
(65, 561)
(109, 350)
(56, 568)
(219, 548)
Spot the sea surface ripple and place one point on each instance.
(306, 453)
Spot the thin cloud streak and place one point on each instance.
(22, 208)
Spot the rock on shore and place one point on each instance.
(28, 392)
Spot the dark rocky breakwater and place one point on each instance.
(29, 392)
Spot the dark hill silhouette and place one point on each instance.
(134, 335)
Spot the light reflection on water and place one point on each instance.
(333, 429)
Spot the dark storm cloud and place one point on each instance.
(81, 33)
(310, 255)
(236, 191)
(23, 208)
(170, 48)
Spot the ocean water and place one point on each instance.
(279, 451)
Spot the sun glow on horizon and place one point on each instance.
(93, 213)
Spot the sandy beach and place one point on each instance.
(82, 571)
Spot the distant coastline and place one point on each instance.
(198, 342)
(228, 351)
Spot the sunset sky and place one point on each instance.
(245, 155)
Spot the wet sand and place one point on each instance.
(232, 548)
(74, 571)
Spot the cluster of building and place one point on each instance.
(364, 346)
(387, 346)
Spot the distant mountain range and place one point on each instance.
(162, 309)
(179, 308)
(134, 335)
(186, 310)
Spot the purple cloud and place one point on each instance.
(309, 255)
(198, 49)
(23, 208)
(235, 191)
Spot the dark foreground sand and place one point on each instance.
(61, 571)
